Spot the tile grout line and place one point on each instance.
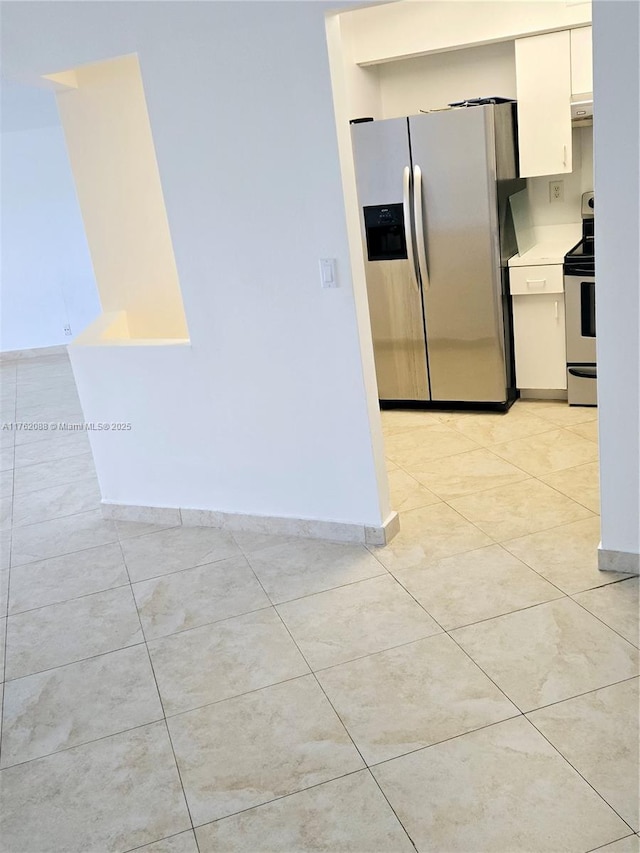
(296, 678)
(554, 747)
(595, 616)
(293, 640)
(164, 714)
(348, 733)
(6, 621)
(448, 633)
(615, 841)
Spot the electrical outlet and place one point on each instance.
(67, 329)
(556, 191)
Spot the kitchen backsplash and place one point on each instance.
(546, 212)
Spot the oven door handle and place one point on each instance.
(584, 372)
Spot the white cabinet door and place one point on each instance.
(581, 61)
(539, 335)
(543, 83)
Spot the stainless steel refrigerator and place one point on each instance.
(433, 192)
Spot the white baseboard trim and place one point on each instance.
(618, 561)
(542, 394)
(37, 352)
(271, 525)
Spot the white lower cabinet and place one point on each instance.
(539, 335)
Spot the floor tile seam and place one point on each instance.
(68, 663)
(575, 769)
(182, 631)
(437, 633)
(144, 533)
(158, 693)
(46, 462)
(73, 663)
(506, 613)
(516, 716)
(508, 440)
(84, 512)
(65, 553)
(388, 801)
(615, 840)
(560, 492)
(439, 458)
(321, 688)
(601, 620)
(54, 517)
(527, 479)
(564, 596)
(5, 628)
(470, 551)
(164, 838)
(277, 799)
(537, 475)
(23, 413)
(518, 713)
(67, 600)
(24, 493)
(531, 568)
(519, 467)
(172, 716)
(177, 571)
(532, 532)
(485, 673)
(44, 437)
(382, 574)
(157, 720)
(479, 491)
(585, 693)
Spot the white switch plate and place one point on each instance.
(328, 274)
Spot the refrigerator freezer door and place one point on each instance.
(455, 151)
(381, 153)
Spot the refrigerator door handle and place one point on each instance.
(408, 231)
(419, 226)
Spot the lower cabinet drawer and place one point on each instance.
(532, 280)
(539, 337)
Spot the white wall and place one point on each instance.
(431, 82)
(267, 411)
(399, 30)
(47, 279)
(617, 187)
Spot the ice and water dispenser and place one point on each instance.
(384, 230)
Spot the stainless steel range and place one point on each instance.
(580, 309)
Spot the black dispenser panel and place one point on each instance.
(384, 229)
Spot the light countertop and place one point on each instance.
(552, 244)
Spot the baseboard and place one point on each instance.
(542, 394)
(618, 561)
(272, 525)
(37, 352)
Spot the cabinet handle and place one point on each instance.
(564, 155)
(557, 314)
(536, 282)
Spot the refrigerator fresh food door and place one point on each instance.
(455, 153)
(384, 181)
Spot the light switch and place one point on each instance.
(328, 275)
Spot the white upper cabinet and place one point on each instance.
(543, 81)
(581, 61)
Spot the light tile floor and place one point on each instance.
(471, 687)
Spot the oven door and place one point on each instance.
(580, 318)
